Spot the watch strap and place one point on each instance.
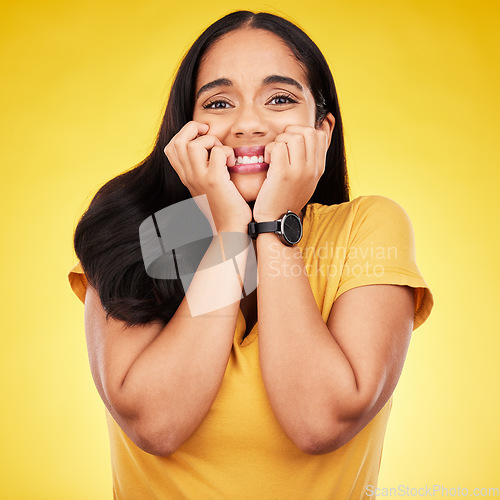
(256, 228)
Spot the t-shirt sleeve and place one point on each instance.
(78, 281)
(381, 250)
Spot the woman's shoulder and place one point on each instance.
(363, 209)
(361, 203)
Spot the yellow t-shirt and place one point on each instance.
(240, 451)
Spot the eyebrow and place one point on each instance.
(225, 82)
(220, 82)
(282, 79)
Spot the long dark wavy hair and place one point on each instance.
(106, 239)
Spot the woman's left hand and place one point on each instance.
(296, 162)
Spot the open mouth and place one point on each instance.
(249, 159)
(246, 160)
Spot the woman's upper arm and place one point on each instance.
(112, 349)
(372, 325)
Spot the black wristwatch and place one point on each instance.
(288, 228)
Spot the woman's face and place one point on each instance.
(249, 88)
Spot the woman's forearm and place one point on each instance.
(170, 387)
(309, 380)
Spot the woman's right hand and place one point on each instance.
(201, 162)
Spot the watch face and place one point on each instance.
(292, 228)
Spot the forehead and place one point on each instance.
(249, 53)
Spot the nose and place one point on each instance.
(249, 122)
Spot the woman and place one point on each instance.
(216, 405)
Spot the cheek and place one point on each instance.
(217, 126)
(302, 117)
(218, 129)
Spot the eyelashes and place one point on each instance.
(276, 100)
(283, 97)
(216, 104)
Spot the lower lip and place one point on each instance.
(249, 168)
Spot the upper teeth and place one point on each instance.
(245, 160)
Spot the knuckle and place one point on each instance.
(216, 151)
(176, 142)
(311, 134)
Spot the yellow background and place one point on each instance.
(83, 89)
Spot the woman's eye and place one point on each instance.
(218, 104)
(282, 99)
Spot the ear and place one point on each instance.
(327, 125)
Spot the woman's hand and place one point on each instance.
(201, 161)
(296, 162)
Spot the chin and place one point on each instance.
(249, 185)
